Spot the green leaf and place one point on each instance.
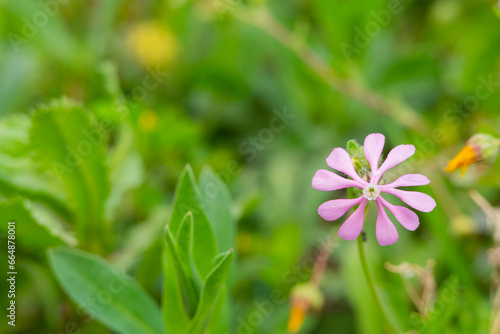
(33, 235)
(208, 300)
(180, 266)
(187, 199)
(185, 236)
(352, 147)
(217, 204)
(174, 313)
(116, 301)
(66, 143)
(18, 173)
(220, 317)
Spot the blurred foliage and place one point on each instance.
(157, 84)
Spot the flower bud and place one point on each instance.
(303, 298)
(358, 158)
(479, 147)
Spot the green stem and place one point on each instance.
(371, 285)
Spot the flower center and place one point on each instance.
(371, 192)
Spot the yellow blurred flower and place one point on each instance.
(152, 44)
(148, 120)
(479, 147)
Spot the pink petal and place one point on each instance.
(373, 146)
(417, 200)
(340, 160)
(351, 228)
(396, 156)
(407, 218)
(407, 181)
(334, 209)
(385, 230)
(326, 180)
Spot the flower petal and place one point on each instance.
(417, 200)
(407, 181)
(385, 230)
(353, 225)
(373, 146)
(396, 156)
(326, 180)
(407, 218)
(334, 209)
(340, 160)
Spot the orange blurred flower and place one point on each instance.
(479, 147)
(298, 313)
(467, 156)
(304, 297)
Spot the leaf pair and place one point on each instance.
(194, 293)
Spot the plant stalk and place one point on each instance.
(371, 285)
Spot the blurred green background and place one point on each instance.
(261, 91)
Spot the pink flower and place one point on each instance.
(386, 232)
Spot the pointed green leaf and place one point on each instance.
(185, 236)
(182, 268)
(213, 285)
(180, 291)
(174, 316)
(116, 301)
(187, 199)
(67, 144)
(217, 203)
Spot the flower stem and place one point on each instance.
(371, 285)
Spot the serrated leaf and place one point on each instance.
(66, 143)
(32, 235)
(187, 199)
(116, 301)
(213, 285)
(18, 173)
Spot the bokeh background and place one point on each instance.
(262, 91)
